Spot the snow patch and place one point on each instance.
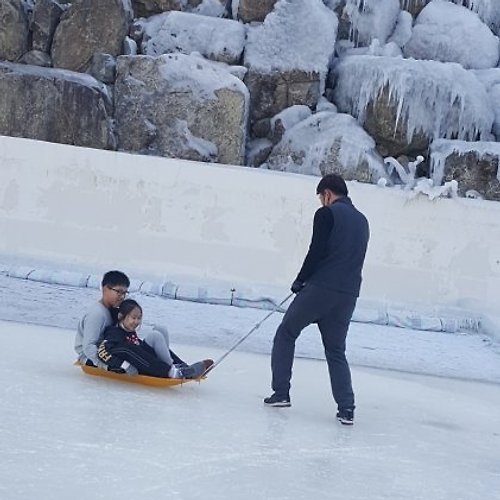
(199, 76)
(221, 39)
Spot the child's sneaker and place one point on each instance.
(278, 401)
(199, 368)
(190, 371)
(181, 371)
(346, 417)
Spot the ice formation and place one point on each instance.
(441, 99)
(442, 149)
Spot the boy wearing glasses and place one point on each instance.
(114, 288)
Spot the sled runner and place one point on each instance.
(137, 379)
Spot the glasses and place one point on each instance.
(121, 293)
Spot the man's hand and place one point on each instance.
(297, 286)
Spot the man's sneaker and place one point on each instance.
(278, 401)
(346, 417)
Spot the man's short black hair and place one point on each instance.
(115, 278)
(334, 183)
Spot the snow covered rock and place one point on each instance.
(13, 30)
(487, 10)
(474, 165)
(283, 70)
(328, 143)
(180, 106)
(54, 105)
(45, 17)
(212, 8)
(403, 103)
(285, 120)
(450, 33)
(90, 26)
(146, 8)
(218, 39)
(254, 10)
(403, 29)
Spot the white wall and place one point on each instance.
(165, 217)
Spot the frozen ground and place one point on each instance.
(64, 434)
(466, 356)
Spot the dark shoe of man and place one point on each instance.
(277, 401)
(346, 417)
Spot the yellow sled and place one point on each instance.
(136, 379)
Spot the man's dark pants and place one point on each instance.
(332, 311)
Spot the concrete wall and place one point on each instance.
(170, 218)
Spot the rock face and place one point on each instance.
(327, 143)
(13, 30)
(36, 58)
(87, 27)
(273, 92)
(146, 8)
(217, 39)
(475, 166)
(254, 10)
(277, 78)
(55, 106)
(46, 15)
(180, 106)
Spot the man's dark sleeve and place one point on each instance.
(322, 227)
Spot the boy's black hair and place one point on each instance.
(127, 306)
(115, 278)
(334, 183)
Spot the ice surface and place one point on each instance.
(65, 434)
(217, 326)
